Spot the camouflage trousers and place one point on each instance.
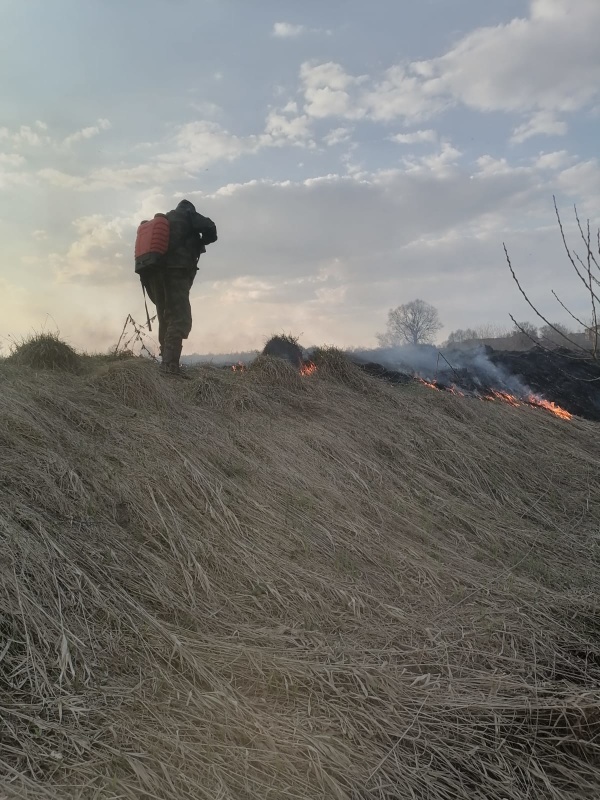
(169, 290)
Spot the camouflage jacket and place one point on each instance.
(190, 232)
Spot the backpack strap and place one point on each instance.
(146, 307)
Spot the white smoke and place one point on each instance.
(443, 365)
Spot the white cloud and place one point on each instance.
(201, 143)
(11, 160)
(286, 30)
(194, 146)
(542, 123)
(404, 93)
(9, 180)
(489, 165)
(337, 136)
(385, 210)
(581, 182)
(62, 180)
(557, 160)
(38, 136)
(94, 250)
(285, 129)
(416, 137)
(11, 171)
(442, 164)
(429, 230)
(87, 133)
(327, 91)
(27, 136)
(547, 61)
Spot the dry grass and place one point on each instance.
(284, 346)
(46, 351)
(252, 586)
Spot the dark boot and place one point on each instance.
(170, 361)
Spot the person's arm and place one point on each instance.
(206, 227)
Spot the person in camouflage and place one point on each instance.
(168, 286)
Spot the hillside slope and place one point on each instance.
(256, 585)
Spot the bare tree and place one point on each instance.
(490, 331)
(523, 335)
(416, 322)
(460, 335)
(554, 335)
(587, 269)
(481, 332)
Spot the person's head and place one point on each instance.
(186, 205)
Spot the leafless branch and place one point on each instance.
(594, 278)
(138, 335)
(587, 240)
(572, 255)
(538, 314)
(449, 364)
(570, 312)
(128, 317)
(590, 260)
(528, 335)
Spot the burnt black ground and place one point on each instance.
(572, 383)
(390, 375)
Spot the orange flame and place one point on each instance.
(308, 369)
(428, 384)
(239, 367)
(539, 402)
(506, 398)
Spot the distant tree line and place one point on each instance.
(522, 334)
(418, 322)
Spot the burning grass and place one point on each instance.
(504, 397)
(335, 589)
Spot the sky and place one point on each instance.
(354, 156)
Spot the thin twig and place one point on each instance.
(593, 296)
(587, 241)
(583, 324)
(594, 278)
(564, 355)
(122, 333)
(567, 248)
(541, 316)
(449, 364)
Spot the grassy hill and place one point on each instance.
(257, 585)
